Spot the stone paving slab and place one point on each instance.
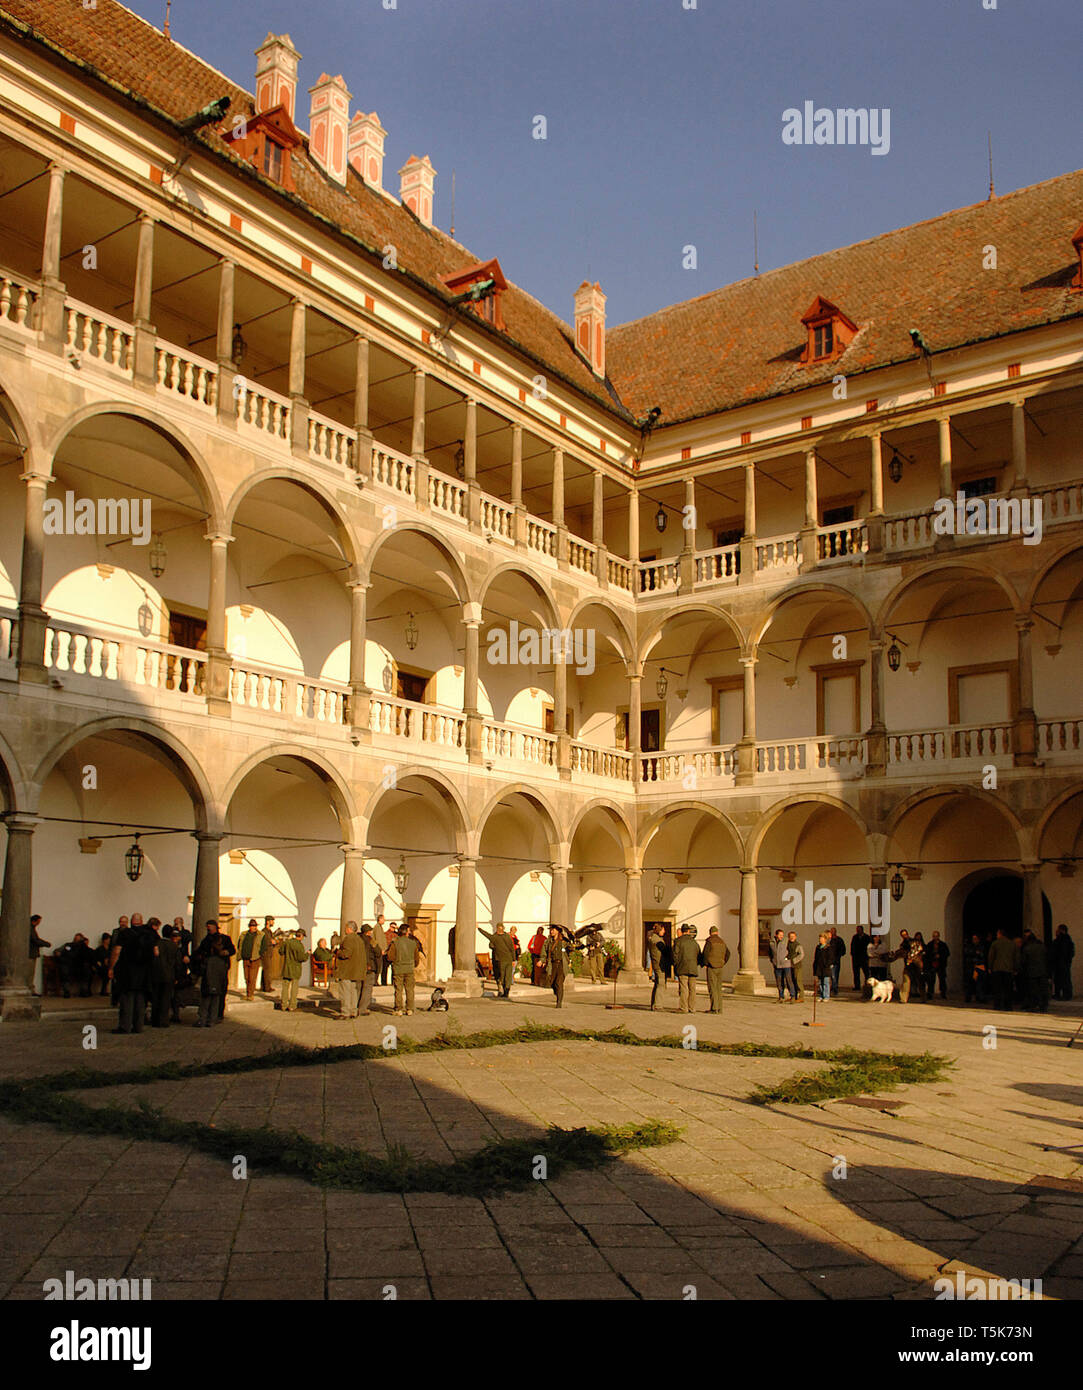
(743, 1206)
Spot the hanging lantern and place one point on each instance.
(157, 555)
(402, 876)
(378, 905)
(240, 347)
(894, 468)
(894, 655)
(133, 860)
(145, 619)
(659, 888)
(411, 631)
(662, 686)
(898, 884)
(660, 518)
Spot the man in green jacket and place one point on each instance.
(403, 953)
(249, 949)
(715, 955)
(656, 944)
(503, 958)
(349, 969)
(293, 955)
(687, 960)
(1003, 964)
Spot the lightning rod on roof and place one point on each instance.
(453, 202)
(168, 6)
(755, 242)
(992, 190)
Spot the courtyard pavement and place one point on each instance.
(749, 1204)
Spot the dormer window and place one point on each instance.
(829, 331)
(266, 141)
(480, 289)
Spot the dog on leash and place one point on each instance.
(882, 991)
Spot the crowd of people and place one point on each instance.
(151, 970)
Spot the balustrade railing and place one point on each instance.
(263, 410)
(614, 763)
(1059, 736)
(691, 766)
(9, 634)
(330, 441)
(842, 542)
(95, 337)
(186, 375)
(619, 572)
(514, 744)
(393, 470)
(497, 518)
(713, 566)
(581, 555)
(778, 552)
(925, 746)
(541, 537)
(447, 496)
(403, 719)
(659, 576)
(16, 302)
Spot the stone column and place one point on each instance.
(597, 532)
(465, 975)
(32, 617)
(1025, 730)
(227, 368)
(633, 972)
(943, 426)
(17, 1002)
(417, 443)
(219, 663)
(146, 335)
(363, 456)
(353, 885)
(560, 714)
(53, 319)
(809, 546)
(747, 554)
(471, 665)
(558, 901)
(876, 739)
(517, 484)
(875, 519)
(633, 532)
(1019, 446)
(558, 508)
(746, 748)
(748, 978)
(207, 894)
(878, 884)
(687, 563)
(635, 724)
(360, 694)
(298, 401)
(470, 465)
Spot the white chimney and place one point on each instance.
(416, 179)
(328, 125)
(276, 74)
(367, 148)
(590, 325)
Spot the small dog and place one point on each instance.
(438, 1002)
(882, 991)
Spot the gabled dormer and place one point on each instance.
(266, 141)
(830, 332)
(485, 281)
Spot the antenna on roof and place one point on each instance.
(168, 6)
(992, 190)
(755, 241)
(453, 202)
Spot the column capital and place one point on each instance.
(1024, 622)
(354, 851)
(34, 478)
(20, 822)
(747, 868)
(355, 582)
(633, 873)
(748, 659)
(462, 859)
(218, 537)
(209, 836)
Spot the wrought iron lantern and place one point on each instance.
(402, 876)
(662, 684)
(411, 631)
(894, 654)
(659, 888)
(158, 555)
(133, 860)
(240, 347)
(898, 884)
(661, 520)
(894, 468)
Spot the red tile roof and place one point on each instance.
(138, 61)
(744, 342)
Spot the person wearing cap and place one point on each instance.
(370, 965)
(655, 946)
(554, 963)
(715, 955)
(403, 954)
(504, 958)
(294, 955)
(248, 949)
(349, 969)
(267, 955)
(687, 960)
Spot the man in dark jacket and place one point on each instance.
(250, 949)
(715, 955)
(371, 961)
(687, 960)
(837, 947)
(503, 958)
(554, 963)
(1003, 964)
(36, 944)
(404, 952)
(101, 961)
(936, 965)
(268, 955)
(1034, 974)
(294, 955)
(1061, 955)
(130, 966)
(823, 966)
(216, 940)
(975, 970)
(859, 956)
(162, 977)
(349, 969)
(655, 946)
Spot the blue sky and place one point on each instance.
(665, 123)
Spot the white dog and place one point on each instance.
(882, 991)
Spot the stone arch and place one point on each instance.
(616, 815)
(180, 759)
(945, 567)
(531, 794)
(803, 590)
(648, 831)
(462, 584)
(1042, 825)
(310, 485)
(1043, 573)
(202, 475)
(773, 813)
(651, 635)
(338, 789)
(898, 813)
(545, 598)
(19, 418)
(440, 781)
(619, 622)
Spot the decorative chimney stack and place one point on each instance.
(417, 177)
(276, 74)
(367, 148)
(328, 125)
(590, 325)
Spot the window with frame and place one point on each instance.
(823, 340)
(413, 686)
(979, 487)
(272, 159)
